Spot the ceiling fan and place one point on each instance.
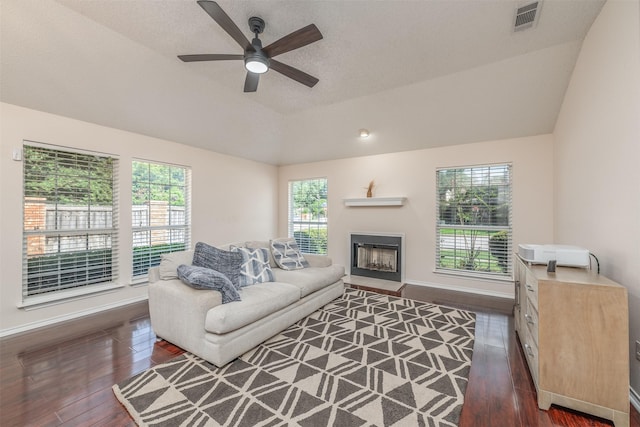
(258, 60)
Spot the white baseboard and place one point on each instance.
(635, 398)
(461, 289)
(70, 316)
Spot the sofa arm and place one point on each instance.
(178, 312)
(316, 260)
(154, 274)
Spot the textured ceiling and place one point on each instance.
(391, 66)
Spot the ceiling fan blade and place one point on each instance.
(251, 82)
(302, 37)
(209, 57)
(215, 11)
(293, 73)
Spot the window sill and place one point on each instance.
(139, 280)
(36, 302)
(472, 276)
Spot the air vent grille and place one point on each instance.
(526, 16)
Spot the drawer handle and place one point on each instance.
(530, 288)
(529, 319)
(529, 350)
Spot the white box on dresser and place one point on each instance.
(574, 329)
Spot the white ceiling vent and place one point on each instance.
(527, 16)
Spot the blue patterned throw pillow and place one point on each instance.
(255, 266)
(205, 278)
(287, 255)
(226, 262)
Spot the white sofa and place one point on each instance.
(197, 321)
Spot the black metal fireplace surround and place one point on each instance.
(376, 256)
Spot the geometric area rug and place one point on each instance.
(364, 359)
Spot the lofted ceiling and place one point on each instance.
(417, 74)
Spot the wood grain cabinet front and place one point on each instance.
(574, 331)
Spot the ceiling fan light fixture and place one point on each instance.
(256, 60)
(256, 63)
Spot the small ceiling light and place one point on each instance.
(364, 133)
(256, 62)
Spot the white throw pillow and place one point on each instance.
(255, 266)
(255, 244)
(287, 254)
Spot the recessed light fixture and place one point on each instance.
(364, 133)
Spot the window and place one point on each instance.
(473, 227)
(160, 212)
(70, 219)
(308, 214)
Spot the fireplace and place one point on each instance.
(377, 256)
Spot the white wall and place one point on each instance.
(432, 110)
(412, 174)
(597, 154)
(232, 199)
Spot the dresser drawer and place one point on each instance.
(531, 353)
(531, 288)
(531, 319)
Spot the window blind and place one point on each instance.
(473, 228)
(308, 214)
(161, 219)
(70, 235)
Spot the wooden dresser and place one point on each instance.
(573, 326)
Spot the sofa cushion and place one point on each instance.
(168, 268)
(226, 262)
(255, 266)
(318, 260)
(205, 278)
(258, 301)
(310, 279)
(287, 254)
(228, 246)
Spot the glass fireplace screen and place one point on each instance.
(377, 258)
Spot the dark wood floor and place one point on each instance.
(63, 375)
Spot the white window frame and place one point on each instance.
(314, 222)
(54, 230)
(465, 221)
(174, 232)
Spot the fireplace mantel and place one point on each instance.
(375, 201)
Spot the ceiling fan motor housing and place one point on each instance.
(256, 25)
(256, 61)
